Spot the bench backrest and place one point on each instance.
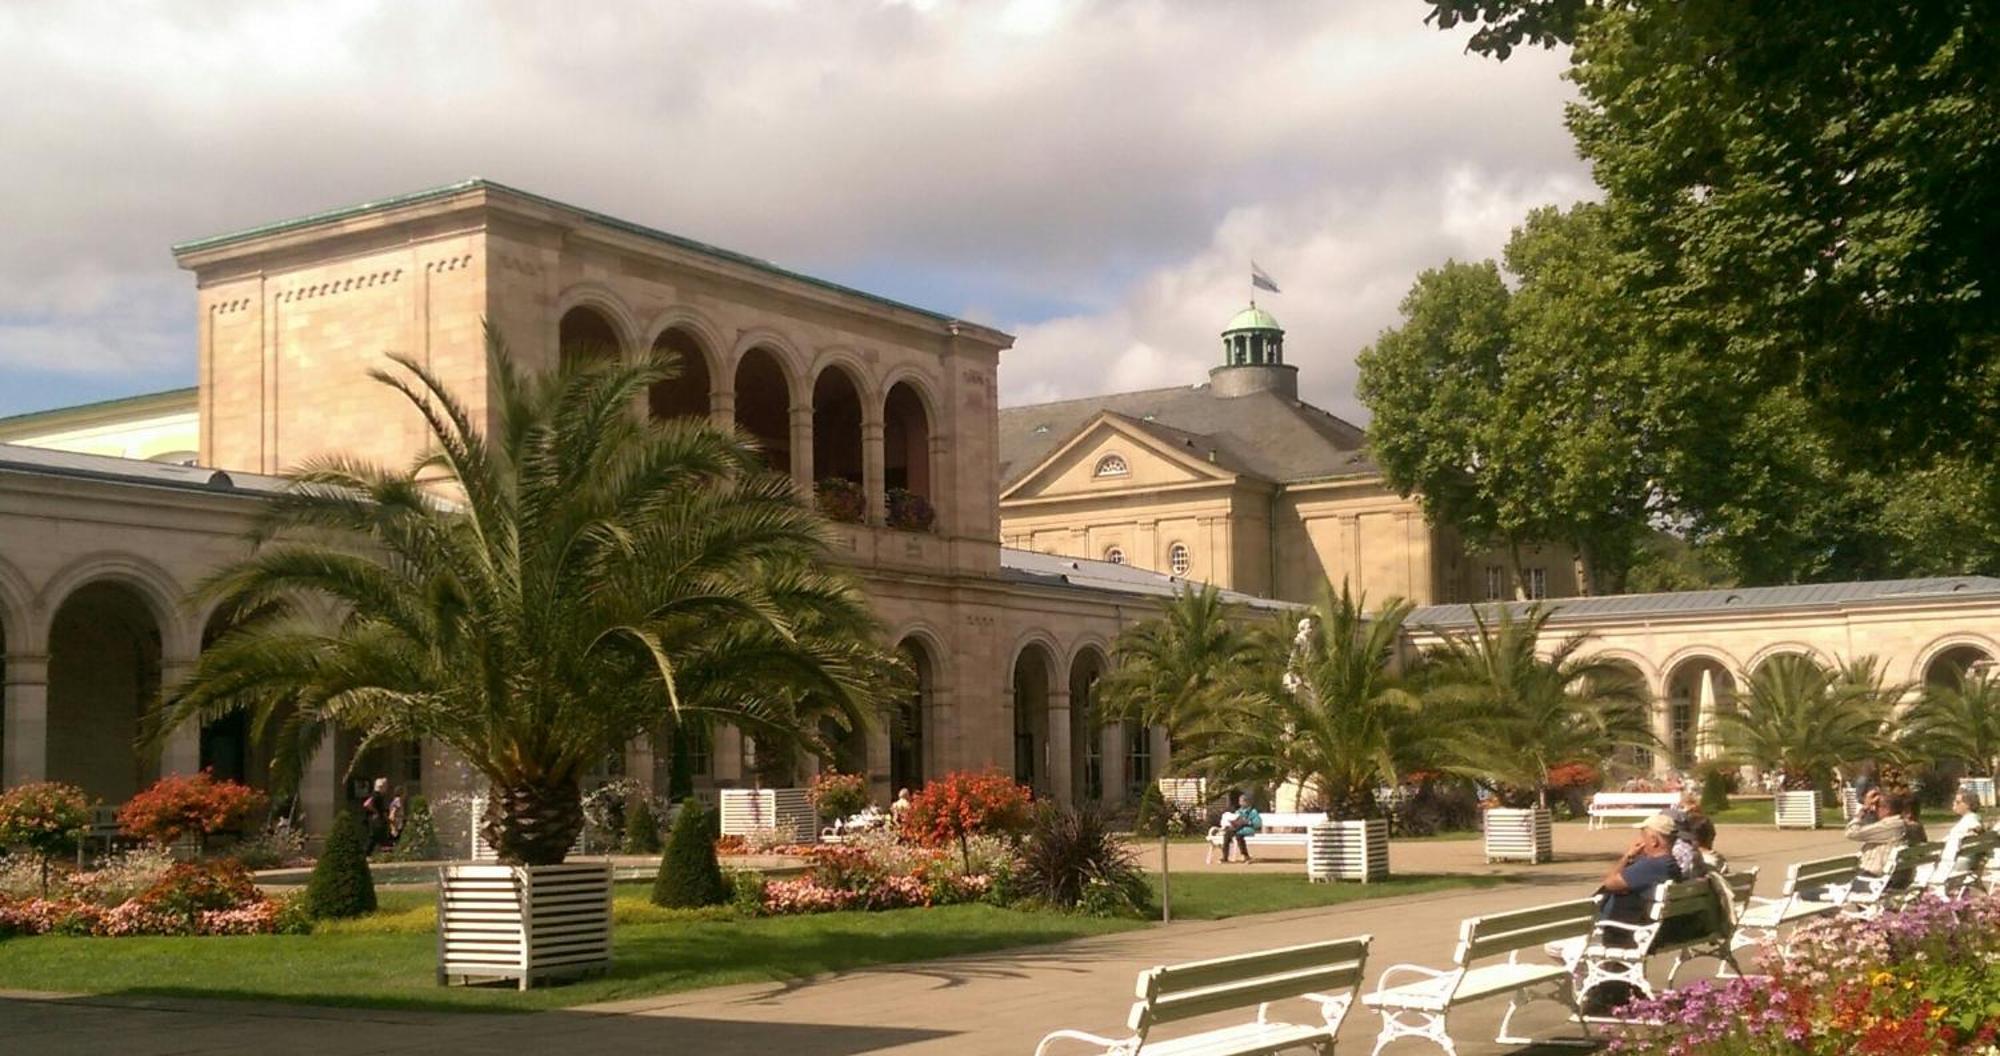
(1918, 856)
(1289, 822)
(1673, 901)
(1635, 799)
(1523, 929)
(1837, 871)
(1198, 988)
(1742, 885)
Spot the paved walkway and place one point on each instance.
(999, 1003)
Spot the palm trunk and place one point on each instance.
(533, 824)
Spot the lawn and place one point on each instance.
(388, 960)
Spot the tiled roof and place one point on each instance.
(1263, 434)
(1049, 570)
(21, 459)
(1739, 599)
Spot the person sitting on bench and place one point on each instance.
(1245, 824)
(1626, 892)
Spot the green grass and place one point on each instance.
(388, 959)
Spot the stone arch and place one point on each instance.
(775, 343)
(16, 604)
(162, 593)
(605, 303)
(1088, 662)
(690, 393)
(1945, 658)
(912, 722)
(1785, 649)
(765, 390)
(839, 411)
(1638, 760)
(697, 325)
(908, 424)
(106, 663)
(587, 329)
(1031, 682)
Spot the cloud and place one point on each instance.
(1090, 174)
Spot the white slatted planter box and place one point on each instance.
(1184, 793)
(523, 922)
(483, 851)
(1348, 850)
(1796, 810)
(1519, 835)
(786, 811)
(1981, 789)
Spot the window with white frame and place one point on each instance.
(1112, 466)
(1115, 556)
(1496, 583)
(1178, 560)
(1538, 584)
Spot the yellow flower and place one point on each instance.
(1880, 978)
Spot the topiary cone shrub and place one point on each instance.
(642, 830)
(690, 877)
(1714, 791)
(1150, 819)
(341, 884)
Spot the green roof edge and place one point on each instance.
(627, 226)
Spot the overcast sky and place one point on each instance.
(1093, 178)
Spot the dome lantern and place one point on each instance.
(1253, 357)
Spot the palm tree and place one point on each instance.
(1169, 670)
(1317, 701)
(1802, 718)
(535, 596)
(1509, 714)
(1960, 720)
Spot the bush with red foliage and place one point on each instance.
(200, 806)
(960, 804)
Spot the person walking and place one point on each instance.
(375, 814)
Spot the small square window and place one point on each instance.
(1496, 583)
(1538, 584)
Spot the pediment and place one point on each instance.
(1111, 454)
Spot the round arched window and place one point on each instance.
(1177, 559)
(1115, 556)
(1112, 466)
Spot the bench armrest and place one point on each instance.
(1111, 1045)
(1634, 930)
(1332, 1007)
(1382, 984)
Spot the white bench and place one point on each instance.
(1952, 875)
(1417, 1009)
(1761, 918)
(1639, 805)
(1871, 893)
(1277, 830)
(1603, 961)
(1325, 974)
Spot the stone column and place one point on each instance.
(639, 761)
(320, 791)
(725, 756)
(181, 752)
(874, 472)
(1663, 728)
(879, 791)
(1057, 746)
(943, 500)
(27, 719)
(722, 405)
(1112, 742)
(1162, 754)
(802, 448)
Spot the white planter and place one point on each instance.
(1519, 835)
(787, 811)
(1348, 850)
(1796, 810)
(1981, 789)
(523, 922)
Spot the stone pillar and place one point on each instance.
(877, 769)
(320, 793)
(802, 448)
(943, 500)
(639, 762)
(722, 404)
(27, 719)
(1056, 747)
(1112, 742)
(874, 474)
(1663, 728)
(181, 752)
(725, 756)
(1162, 753)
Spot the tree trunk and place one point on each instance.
(1586, 572)
(1514, 569)
(533, 824)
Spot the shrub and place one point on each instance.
(746, 887)
(959, 805)
(121, 877)
(840, 499)
(642, 830)
(188, 890)
(1441, 804)
(1150, 818)
(909, 511)
(47, 818)
(1072, 856)
(341, 885)
(181, 805)
(1714, 791)
(836, 795)
(275, 845)
(689, 874)
(419, 841)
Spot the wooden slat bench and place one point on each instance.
(1682, 918)
(1325, 974)
(1279, 830)
(1640, 805)
(1418, 1008)
(1762, 918)
(1870, 894)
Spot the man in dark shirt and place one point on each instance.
(1647, 864)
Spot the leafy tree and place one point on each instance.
(44, 818)
(1802, 718)
(1958, 721)
(690, 876)
(1318, 701)
(1511, 711)
(536, 593)
(1169, 669)
(342, 885)
(1805, 213)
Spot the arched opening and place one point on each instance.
(764, 407)
(686, 394)
(1034, 673)
(908, 725)
(850, 747)
(1086, 736)
(1697, 689)
(225, 742)
(1631, 761)
(906, 456)
(585, 333)
(104, 676)
(1949, 668)
(836, 427)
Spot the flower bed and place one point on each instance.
(151, 895)
(1926, 980)
(874, 871)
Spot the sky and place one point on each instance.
(1094, 178)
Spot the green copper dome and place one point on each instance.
(1252, 318)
